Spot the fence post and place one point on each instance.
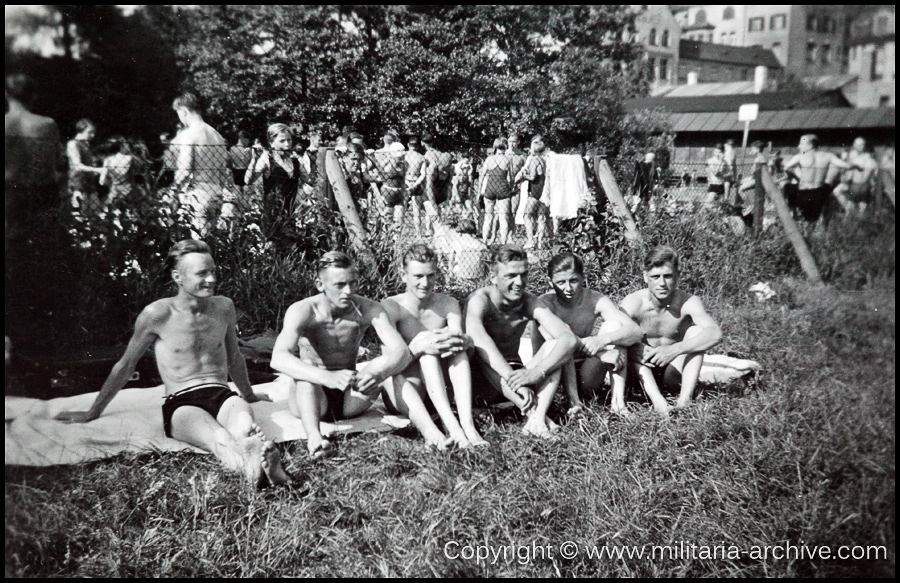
(323, 186)
(790, 227)
(888, 184)
(359, 239)
(759, 202)
(620, 207)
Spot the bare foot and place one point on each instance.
(475, 438)
(537, 427)
(319, 448)
(250, 448)
(575, 411)
(682, 405)
(271, 465)
(552, 425)
(438, 441)
(621, 412)
(460, 440)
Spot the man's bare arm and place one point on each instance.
(143, 337)
(396, 353)
(629, 333)
(566, 341)
(284, 355)
(184, 164)
(793, 162)
(75, 161)
(710, 334)
(237, 366)
(485, 347)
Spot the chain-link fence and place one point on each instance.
(126, 207)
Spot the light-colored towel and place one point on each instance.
(523, 200)
(565, 186)
(720, 369)
(133, 422)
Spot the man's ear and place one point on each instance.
(646, 279)
(176, 276)
(319, 285)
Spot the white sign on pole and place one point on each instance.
(748, 112)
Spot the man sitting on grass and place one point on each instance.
(318, 348)
(677, 332)
(195, 340)
(432, 325)
(496, 317)
(596, 354)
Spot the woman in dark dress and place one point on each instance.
(282, 175)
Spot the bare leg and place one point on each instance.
(415, 208)
(502, 211)
(689, 365)
(461, 378)
(537, 422)
(307, 401)
(437, 391)
(488, 226)
(645, 375)
(530, 218)
(237, 417)
(569, 380)
(407, 394)
(615, 359)
(196, 427)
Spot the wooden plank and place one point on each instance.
(888, 184)
(359, 239)
(790, 227)
(620, 207)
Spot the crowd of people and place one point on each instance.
(657, 337)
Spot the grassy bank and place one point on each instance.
(804, 454)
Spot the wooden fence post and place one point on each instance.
(359, 239)
(790, 227)
(620, 207)
(888, 184)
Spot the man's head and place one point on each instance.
(499, 146)
(537, 145)
(336, 278)
(718, 150)
(85, 129)
(420, 270)
(860, 145)
(193, 268)
(390, 137)
(649, 157)
(186, 105)
(757, 147)
(513, 141)
(428, 141)
(244, 138)
(661, 272)
(808, 143)
(164, 138)
(279, 137)
(19, 88)
(510, 271)
(414, 144)
(566, 273)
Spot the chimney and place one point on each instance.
(760, 79)
(692, 78)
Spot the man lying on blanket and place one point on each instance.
(196, 345)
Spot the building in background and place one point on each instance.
(871, 56)
(658, 31)
(712, 63)
(809, 41)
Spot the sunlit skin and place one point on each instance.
(579, 308)
(496, 318)
(677, 330)
(812, 164)
(432, 325)
(318, 347)
(195, 341)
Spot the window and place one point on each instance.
(811, 22)
(700, 17)
(852, 53)
(663, 69)
(824, 23)
(757, 24)
(881, 25)
(810, 53)
(826, 54)
(878, 58)
(884, 101)
(652, 37)
(728, 14)
(778, 22)
(665, 38)
(731, 39)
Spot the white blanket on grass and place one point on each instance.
(133, 422)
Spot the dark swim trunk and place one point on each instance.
(335, 410)
(811, 202)
(393, 196)
(859, 192)
(483, 392)
(239, 175)
(209, 396)
(717, 189)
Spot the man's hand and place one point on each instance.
(441, 343)
(592, 346)
(76, 416)
(525, 397)
(257, 397)
(342, 380)
(366, 383)
(524, 377)
(661, 355)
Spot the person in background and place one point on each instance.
(646, 177)
(240, 156)
(812, 168)
(496, 188)
(415, 181)
(536, 213)
(120, 169)
(715, 175)
(84, 172)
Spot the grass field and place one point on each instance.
(802, 454)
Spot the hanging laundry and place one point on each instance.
(565, 187)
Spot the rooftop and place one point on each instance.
(747, 56)
(786, 120)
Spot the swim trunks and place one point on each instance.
(209, 396)
(393, 196)
(483, 390)
(860, 192)
(335, 409)
(811, 202)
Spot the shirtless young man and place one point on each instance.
(677, 331)
(415, 180)
(858, 187)
(195, 340)
(202, 176)
(496, 317)
(431, 323)
(579, 308)
(813, 193)
(318, 347)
